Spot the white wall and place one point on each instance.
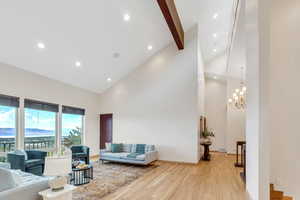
(158, 103)
(236, 119)
(216, 112)
(257, 136)
(23, 84)
(284, 97)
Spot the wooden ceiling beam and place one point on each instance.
(170, 13)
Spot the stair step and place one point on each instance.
(287, 198)
(276, 195)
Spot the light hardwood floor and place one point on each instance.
(214, 180)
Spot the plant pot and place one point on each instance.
(206, 140)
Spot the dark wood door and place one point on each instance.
(106, 123)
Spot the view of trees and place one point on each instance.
(74, 137)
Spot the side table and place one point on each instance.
(65, 194)
(206, 156)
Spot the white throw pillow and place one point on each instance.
(108, 147)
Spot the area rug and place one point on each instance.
(108, 178)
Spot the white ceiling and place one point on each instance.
(92, 31)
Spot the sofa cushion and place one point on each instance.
(140, 148)
(137, 157)
(116, 148)
(149, 147)
(33, 162)
(126, 148)
(108, 146)
(7, 180)
(114, 155)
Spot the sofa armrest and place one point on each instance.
(16, 161)
(151, 156)
(36, 154)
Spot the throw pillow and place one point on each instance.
(126, 148)
(149, 148)
(22, 152)
(140, 148)
(108, 147)
(7, 180)
(116, 148)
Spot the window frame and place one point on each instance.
(20, 105)
(3, 154)
(51, 149)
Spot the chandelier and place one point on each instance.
(238, 99)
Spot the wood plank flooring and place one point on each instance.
(214, 180)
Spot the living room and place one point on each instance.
(148, 100)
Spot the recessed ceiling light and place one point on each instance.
(41, 45)
(126, 17)
(214, 50)
(77, 64)
(215, 35)
(108, 79)
(116, 55)
(150, 47)
(216, 15)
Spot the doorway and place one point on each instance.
(106, 123)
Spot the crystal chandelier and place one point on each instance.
(238, 99)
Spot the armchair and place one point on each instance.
(81, 152)
(34, 164)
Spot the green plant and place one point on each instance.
(206, 133)
(74, 137)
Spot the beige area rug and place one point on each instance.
(109, 177)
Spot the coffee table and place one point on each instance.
(81, 176)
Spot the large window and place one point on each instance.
(72, 126)
(42, 128)
(7, 128)
(40, 125)
(8, 113)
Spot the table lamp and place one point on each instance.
(59, 167)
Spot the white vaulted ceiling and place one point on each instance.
(93, 31)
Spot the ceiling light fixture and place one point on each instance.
(150, 47)
(215, 77)
(126, 17)
(238, 99)
(77, 64)
(215, 35)
(216, 15)
(108, 79)
(41, 45)
(214, 50)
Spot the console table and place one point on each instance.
(240, 145)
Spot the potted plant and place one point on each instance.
(206, 135)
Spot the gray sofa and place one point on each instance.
(149, 156)
(18, 185)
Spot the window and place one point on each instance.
(8, 113)
(7, 128)
(72, 126)
(40, 125)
